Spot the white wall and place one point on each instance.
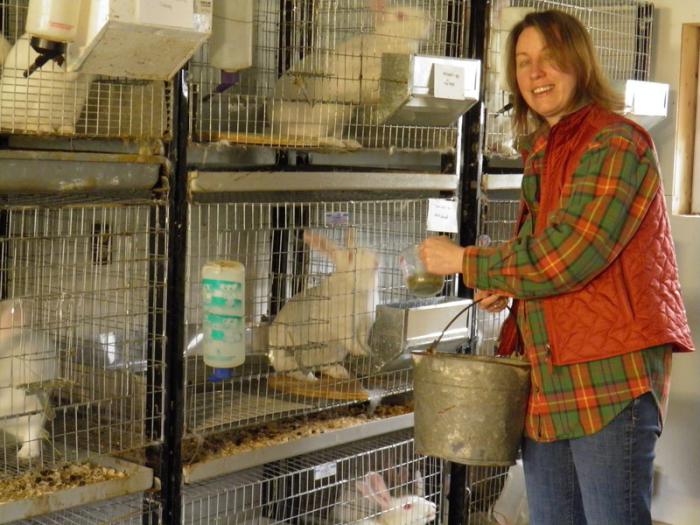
(677, 496)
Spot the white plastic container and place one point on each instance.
(223, 316)
(140, 39)
(55, 20)
(231, 41)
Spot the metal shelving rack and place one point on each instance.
(243, 201)
(83, 257)
(214, 197)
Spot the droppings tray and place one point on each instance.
(136, 479)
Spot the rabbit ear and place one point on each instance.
(5, 316)
(377, 5)
(351, 237)
(398, 477)
(10, 316)
(374, 488)
(351, 244)
(320, 243)
(419, 483)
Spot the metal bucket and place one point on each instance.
(470, 409)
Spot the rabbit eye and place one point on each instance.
(407, 506)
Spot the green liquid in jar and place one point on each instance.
(424, 284)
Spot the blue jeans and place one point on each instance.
(601, 479)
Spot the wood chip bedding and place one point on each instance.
(41, 482)
(278, 432)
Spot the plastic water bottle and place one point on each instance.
(231, 41)
(55, 20)
(223, 317)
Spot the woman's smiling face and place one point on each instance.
(547, 90)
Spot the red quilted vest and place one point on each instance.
(635, 303)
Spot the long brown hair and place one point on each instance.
(573, 51)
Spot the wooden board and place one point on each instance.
(685, 125)
(324, 388)
(260, 139)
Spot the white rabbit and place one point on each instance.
(402, 484)
(4, 49)
(319, 122)
(319, 326)
(368, 501)
(26, 360)
(320, 90)
(49, 101)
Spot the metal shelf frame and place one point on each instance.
(444, 174)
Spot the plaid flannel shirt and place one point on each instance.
(575, 400)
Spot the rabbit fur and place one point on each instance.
(320, 90)
(25, 358)
(49, 101)
(319, 326)
(368, 501)
(5, 47)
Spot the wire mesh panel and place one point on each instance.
(621, 31)
(54, 101)
(315, 273)
(498, 213)
(78, 325)
(497, 216)
(486, 485)
(130, 510)
(381, 478)
(316, 75)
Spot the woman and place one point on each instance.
(594, 273)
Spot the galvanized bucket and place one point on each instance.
(470, 409)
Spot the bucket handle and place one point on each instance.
(433, 346)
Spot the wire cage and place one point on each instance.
(484, 495)
(316, 74)
(81, 338)
(326, 487)
(498, 213)
(497, 216)
(621, 31)
(128, 510)
(309, 305)
(54, 101)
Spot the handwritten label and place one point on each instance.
(176, 13)
(448, 82)
(325, 470)
(442, 216)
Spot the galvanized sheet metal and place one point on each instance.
(470, 409)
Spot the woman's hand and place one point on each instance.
(490, 301)
(441, 255)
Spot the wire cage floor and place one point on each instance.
(306, 489)
(127, 510)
